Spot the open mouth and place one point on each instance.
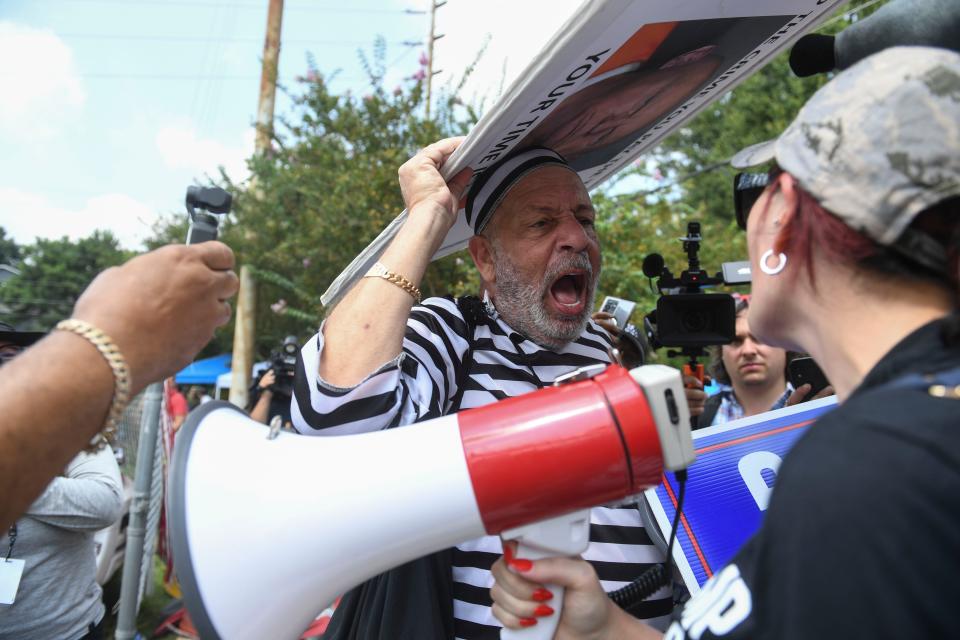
(569, 292)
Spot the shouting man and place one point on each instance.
(383, 359)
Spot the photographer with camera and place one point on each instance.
(860, 536)
(271, 392)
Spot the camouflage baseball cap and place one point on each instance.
(877, 144)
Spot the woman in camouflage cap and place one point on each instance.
(853, 238)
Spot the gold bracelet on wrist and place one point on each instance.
(380, 271)
(121, 376)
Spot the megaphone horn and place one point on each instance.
(295, 521)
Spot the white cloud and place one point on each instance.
(181, 148)
(27, 216)
(43, 88)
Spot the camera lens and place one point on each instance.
(695, 321)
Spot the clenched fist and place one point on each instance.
(162, 307)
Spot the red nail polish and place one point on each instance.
(527, 622)
(521, 565)
(543, 610)
(508, 553)
(541, 595)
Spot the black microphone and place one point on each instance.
(813, 54)
(930, 23)
(653, 265)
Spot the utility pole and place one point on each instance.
(243, 327)
(434, 36)
(268, 76)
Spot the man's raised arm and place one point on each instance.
(366, 329)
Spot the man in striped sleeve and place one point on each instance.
(384, 359)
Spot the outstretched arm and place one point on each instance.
(159, 308)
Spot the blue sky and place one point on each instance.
(111, 108)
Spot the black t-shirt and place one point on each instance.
(862, 535)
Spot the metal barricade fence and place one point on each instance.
(129, 434)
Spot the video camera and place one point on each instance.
(686, 317)
(284, 365)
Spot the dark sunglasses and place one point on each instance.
(747, 188)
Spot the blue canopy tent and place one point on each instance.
(205, 371)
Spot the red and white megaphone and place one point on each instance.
(268, 529)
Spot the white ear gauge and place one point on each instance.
(772, 271)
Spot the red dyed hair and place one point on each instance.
(812, 225)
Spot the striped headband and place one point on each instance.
(489, 189)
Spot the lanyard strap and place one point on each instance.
(12, 533)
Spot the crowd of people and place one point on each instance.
(853, 234)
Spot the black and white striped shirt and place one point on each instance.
(421, 384)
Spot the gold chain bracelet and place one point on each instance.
(380, 271)
(121, 376)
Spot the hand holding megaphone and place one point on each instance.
(312, 517)
(566, 535)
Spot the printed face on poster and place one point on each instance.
(659, 68)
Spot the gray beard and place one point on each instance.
(521, 304)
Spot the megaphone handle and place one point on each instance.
(546, 626)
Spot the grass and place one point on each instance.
(151, 607)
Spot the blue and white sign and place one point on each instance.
(728, 487)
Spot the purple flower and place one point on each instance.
(312, 76)
(397, 91)
(424, 59)
(419, 75)
(306, 262)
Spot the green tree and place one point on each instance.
(53, 273)
(326, 189)
(9, 249)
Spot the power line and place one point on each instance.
(204, 39)
(206, 95)
(258, 7)
(173, 76)
(400, 57)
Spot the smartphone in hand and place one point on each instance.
(803, 371)
(619, 308)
